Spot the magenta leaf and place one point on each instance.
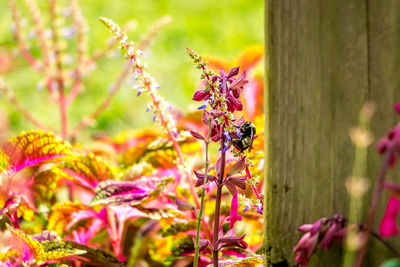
(119, 192)
(88, 214)
(125, 213)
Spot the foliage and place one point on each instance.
(128, 199)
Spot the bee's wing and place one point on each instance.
(252, 129)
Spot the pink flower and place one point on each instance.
(234, 216)
(388, 225)
(397, 107)
(201, 95)
(323, 231)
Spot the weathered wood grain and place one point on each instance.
(324, 60)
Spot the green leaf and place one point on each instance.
(391, 263)
(96, 257)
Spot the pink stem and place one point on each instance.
(374, 204)
(114, 234)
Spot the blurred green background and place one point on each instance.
(220, 29)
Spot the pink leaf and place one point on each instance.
(125, 213)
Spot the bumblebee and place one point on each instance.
(245, 138)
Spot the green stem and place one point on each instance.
(218, 203)
(196, 245)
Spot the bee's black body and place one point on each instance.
(246, 136)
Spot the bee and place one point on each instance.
(245, 135)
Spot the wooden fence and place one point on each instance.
(324, 60)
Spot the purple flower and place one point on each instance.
(246, 209)
(202, 106)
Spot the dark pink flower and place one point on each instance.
(233, 215)
(324, 231)
(388, 226)
(397, 107)
(201, 95)
(238, 83)
(233, 103)
(391, 139)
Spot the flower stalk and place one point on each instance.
(203, 192)
(146, 83)
(218, 203)
(374, 204)
(22, 46)
(45, 49)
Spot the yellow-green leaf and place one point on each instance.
(46, 246)
(32, 148)
(87, 169)
(61, 215)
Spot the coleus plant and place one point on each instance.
(38, 147)
(130, 208)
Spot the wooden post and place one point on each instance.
(324, 60)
